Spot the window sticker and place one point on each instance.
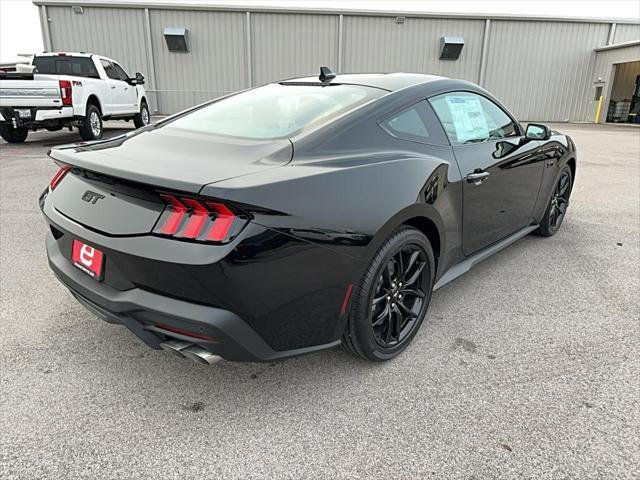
(468, 117)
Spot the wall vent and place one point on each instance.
(177, 39)
(450, 47)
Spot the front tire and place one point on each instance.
(392, 298)
(557, 208)
(92, 128)
(13, 135)
(143, 117)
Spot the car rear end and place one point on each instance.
(181, 270)
(144, 233)
(126, 253)
(30, 101)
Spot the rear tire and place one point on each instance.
(143, 117)
(91, 128)
(557, 208)
(13, 135)
(391, 301)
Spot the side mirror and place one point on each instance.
(535, 131)
(139, 78)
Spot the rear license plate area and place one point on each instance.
(23, 113)
(88, 259)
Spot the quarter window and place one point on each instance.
(409, 125)
(471, 118)
(416, 124)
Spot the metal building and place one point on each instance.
(543, 69)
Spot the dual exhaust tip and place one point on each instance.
(190, 351)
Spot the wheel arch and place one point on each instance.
(572, 165)
(424, 218)
(94, 100)
(430, 230)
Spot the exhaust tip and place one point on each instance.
(200, 355)
(175, 347)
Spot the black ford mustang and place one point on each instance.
(300, 215)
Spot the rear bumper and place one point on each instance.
(9, 114)
(142, 312)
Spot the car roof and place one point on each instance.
(74, 54)
(387, 81)
(63, 54)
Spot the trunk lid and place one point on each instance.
(113, 188)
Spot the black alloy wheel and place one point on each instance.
(390, 303)
(560, 200)
(557, 208)
(400, 295)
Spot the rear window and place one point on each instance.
(75, 66)
(276, 111)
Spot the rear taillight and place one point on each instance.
(65, 92)
(57, 178)
(198, 219)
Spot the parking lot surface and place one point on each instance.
(526, 367)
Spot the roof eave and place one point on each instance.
(334, 11)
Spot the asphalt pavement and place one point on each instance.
(526, 367)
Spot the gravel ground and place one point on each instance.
(526, 367)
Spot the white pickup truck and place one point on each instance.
(69, 90)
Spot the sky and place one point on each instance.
(20, 25)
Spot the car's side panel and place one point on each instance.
(557, 151)
(503, 202)
(384, 182)
(86, 88)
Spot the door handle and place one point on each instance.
(126, 88)
(112, 87)
(477, 177)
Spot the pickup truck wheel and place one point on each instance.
(143, 117)
(91, 129)
(13, 135)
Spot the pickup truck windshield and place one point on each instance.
(276, 110)
(65, 65)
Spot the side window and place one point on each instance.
(83, 67)
(109, 70)
(471, 118)
(416, 124)
(122, 75)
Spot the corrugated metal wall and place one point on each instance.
(542, 70)
(214, 66)
(626, 32)
(290, 45)
(378, 44)
(117, 33)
